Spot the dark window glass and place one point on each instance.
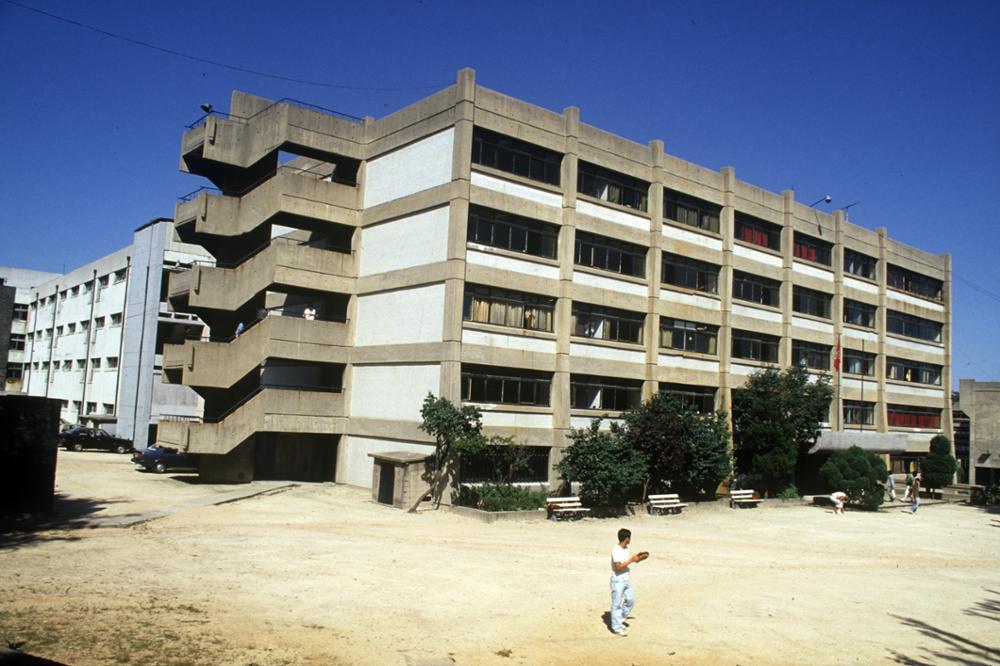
(904, 370)
(859, 363)
(859, 264)
(857, 412)
(609, 254)
(756, 289)
(16, 342)
(503, 307)
(914, 283)
(699, 398)
(912, 326)
(612, 186)
(859, 314)
(808, 301)
(691, 211)
(690, 273)
(811, 355)
(753, 230)
(20, 312)
(512, 232)
(592, 321)
(605, 393)
(755, 346)
(688, 336)
(812, 249)
(15, 371)
(514, 156)
(507, 386)
(488, 466)
(904, 416)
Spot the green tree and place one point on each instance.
(708, 459)
(607, 468)
(938, 467)
(859, 474)
(455, 431)
(776, 418)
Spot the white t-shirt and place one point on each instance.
(619, 554)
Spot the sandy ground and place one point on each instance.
(319, 574)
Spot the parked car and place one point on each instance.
(159, 459)
(82, 437)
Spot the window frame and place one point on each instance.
(614, 394)
(912, 372)
(757, 284)
(761, 232)
(803, 297)
(761, 341)
(520, 158)
(853, 407)
(495, 298)
(897, 413)
(541, 236)
(539, 383)
(699, 398)
(816, 356)
(631, 192)
(860, 307)
(602, 252)
(804, 245)
(616, 325)
(690, 268)
(705, 214)
(859, 264)
(911, 282)
(912, 326)
(696, 337)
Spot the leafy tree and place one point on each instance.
(607, 468)
(455, 431)
(776, 418)
(708, 460)
(938, 467)
(859, 474)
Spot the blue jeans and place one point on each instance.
(622, 601)
(916, 504)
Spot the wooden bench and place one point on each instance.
(742, 498)
(660, 504)
(565, 507)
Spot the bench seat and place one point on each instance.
(742, 498)
(565, 507)
(661, 504)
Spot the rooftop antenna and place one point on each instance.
(848, 207)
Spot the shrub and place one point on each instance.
(501, 497)
(859, 474)
(938, 467)
(607, 468)
(791, 492)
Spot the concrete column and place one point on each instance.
(947, 423)
(881, 276)
(727, 226)
(787, 257)
(837, 312)
(654, 266)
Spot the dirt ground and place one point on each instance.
(319, 574)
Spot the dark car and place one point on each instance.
(82, 437)
(159, 459)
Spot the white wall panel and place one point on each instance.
(394, 392)
(894, 298)
(401, 316)
(812, 271)
(410, 169)
(860, 285)
(673, 233)
(505, 263)
(757, 255)
(756, 313)
(355, 467)
(517, 419)
(516, 189)
(915, 346)
(512, 341)
(812, 324)
(683, 362)
(612, 215)
(610, 284)
(408, 241)
(606, 353)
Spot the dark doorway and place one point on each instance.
(295, 457)
(386, 481)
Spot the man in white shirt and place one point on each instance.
(622, 596)
(838, 498)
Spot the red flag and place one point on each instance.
(836, 356)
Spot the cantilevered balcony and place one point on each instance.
(293, 197)
(282, 262)
(266, 409)
(221, 363)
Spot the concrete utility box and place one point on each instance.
(400, 477)
(29, 440)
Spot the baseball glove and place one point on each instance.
(641, 556)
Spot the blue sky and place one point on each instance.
(891, 104)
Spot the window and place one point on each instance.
(690, 273)
(859, 363)
(59, 331)
(859, 264)
(489, 305)
(859, 314)
(857, 412)
(63, 295)
(108, 407)
(80, 364)
(67, 366)
(514, 156)
(903, 370)
(512, 232)
(608, 254)
(116, 319)
(612, 186)
(71, 328)
(508, 386)
(811, 302)
(592, 321)
(120, 275)
(75, 291)
(16, 342)
(914, 283)
(904, 416)
(605, 393)
(812, 249)
(482, 467)
(753, 230)
(912, 326)
(77, 405)
(86, 286)
(48, 332)
(691, 211)
(20, 312)
(688, 336)
(755, 346)
(112, 362)
(91, 407)
(811, 355)
(102, 281)
(84, 325)
(15, 371)
(699, 398)
(756, 289)
(99, 322)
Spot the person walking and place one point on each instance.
(890, 487)
(908, 495)
(915, 501)
(622, 594)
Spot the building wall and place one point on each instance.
(981, 403)
(419, 166)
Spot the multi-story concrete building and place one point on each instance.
(980, 401)
(15, 295)
(95, 337)
(493, 252)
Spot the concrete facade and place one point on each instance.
(981, 403)
(494, 252)
(15, 297)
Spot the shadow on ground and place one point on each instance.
(950, 647)
(67, 514)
